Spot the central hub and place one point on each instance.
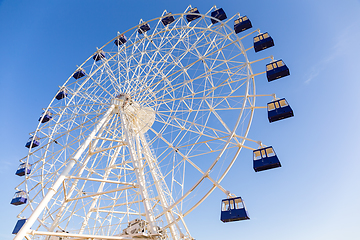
(138, 118)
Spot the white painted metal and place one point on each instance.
(25, 228)
(132, 138)
(158, 120)
(160, 186)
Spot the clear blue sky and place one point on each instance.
(315, 195)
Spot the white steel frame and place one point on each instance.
(97, 169)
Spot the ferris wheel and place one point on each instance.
(146, 129)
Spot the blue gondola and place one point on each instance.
(120, 40)
(23, 169)
(193, 16)
(79, 73)
(33, 142)
(45, 117)
(279, 109)
(263, 41)
(144, 28)
(99, 55)
(19, 198)
(167, 19)
(233, 209)
(18, 225)
(265, 158)
(242, 24)
(61, 94)
(276, 70)
(218, 14)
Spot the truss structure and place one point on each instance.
(145, 136)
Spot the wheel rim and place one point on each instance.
(191, 89)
